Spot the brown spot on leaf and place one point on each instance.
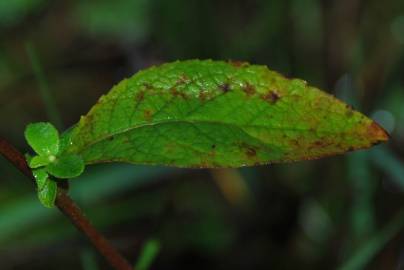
(147, 114)
(294, 142)
(183, 78)
(177, 93)
(147, 85)
(139, 96)
(350, 110)
(202, 95)
(249, 89)
(249, 150)
(87, 119)
(225, 87)
(271, 97)
(319, 143)
(238, 64)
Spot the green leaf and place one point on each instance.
(149, 252)
(41, 177)
(66, 166)
(47, 188)
(47, 195)
(218, 114)
(28, 158)
(38, 161)
(65, 139)
(43, 138)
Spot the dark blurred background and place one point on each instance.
(344, 212)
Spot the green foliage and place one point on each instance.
(208, 114)
(44, 139)
(148, 254)
(128, 20)
(300, 206)
(47, 189)
(12, 12)
(202, 114)
(66, 166)
(369, 249)
(47, 194)
(41, 177)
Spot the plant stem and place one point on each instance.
(68, 207)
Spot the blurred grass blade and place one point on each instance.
(364, 187)
(148, 254)
(21, 215)
(233, 185)
(50, 105)
(88, 260)
(13, 12)
(370, 248)
(389, 163)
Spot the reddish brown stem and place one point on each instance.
(67, 206)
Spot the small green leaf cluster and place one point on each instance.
(50, 163)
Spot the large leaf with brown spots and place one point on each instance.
(217, 114)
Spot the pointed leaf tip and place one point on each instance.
(377, 133)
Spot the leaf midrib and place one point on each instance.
(194, 122)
